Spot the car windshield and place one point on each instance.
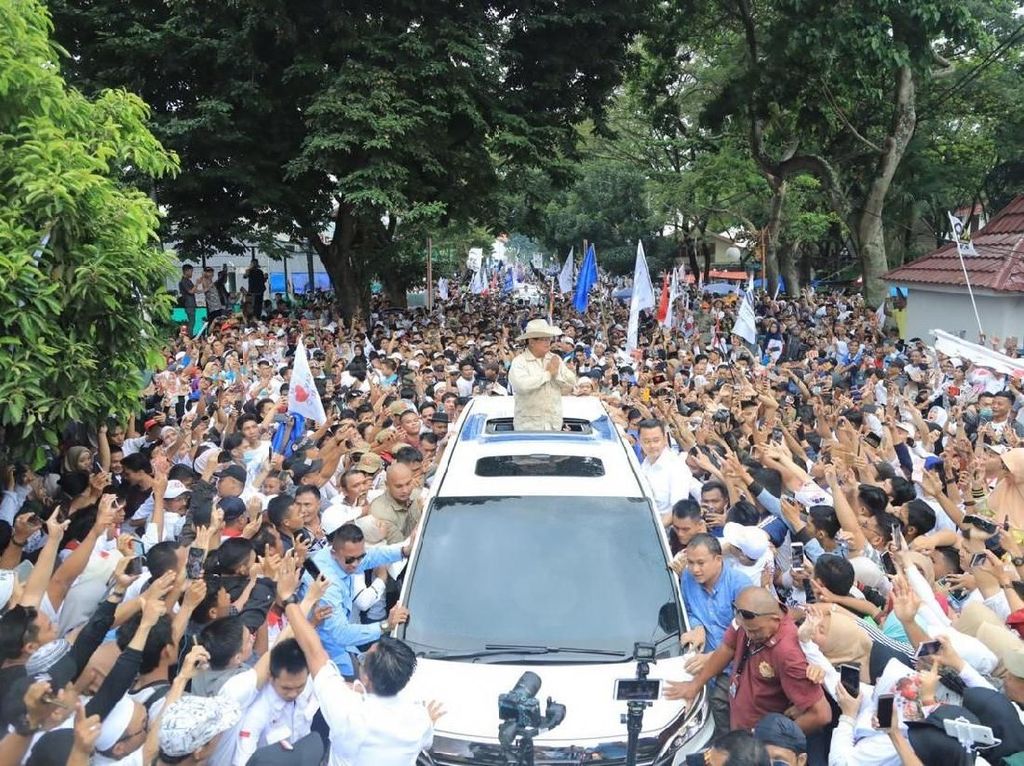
(561, 572)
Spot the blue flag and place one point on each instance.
(510, 281)
(586, 279)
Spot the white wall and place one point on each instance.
(932, 307)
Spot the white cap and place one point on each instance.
(174, 489)
(336, 516)
(752, 541)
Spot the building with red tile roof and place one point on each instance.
(938, 296)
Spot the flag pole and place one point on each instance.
(970, 290)
(430, 276)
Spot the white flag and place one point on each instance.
(745, 323)
(303, 398)
(442, 288)
(642, 297)
(479, 283)
(880, 314)
(962, 236)
(673, 293)
(565, 276)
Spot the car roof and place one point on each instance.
(484, 430)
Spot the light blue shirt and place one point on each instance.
(341, 632)
(713, 609)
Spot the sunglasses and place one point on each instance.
(354, 559)
(746, 614)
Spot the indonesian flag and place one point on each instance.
(664, 304)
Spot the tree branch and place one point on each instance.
(849, 126)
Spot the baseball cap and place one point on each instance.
(398, 408)
(370, 463)
(775, 729)
(439, 417)
(307, 466)
(233, 507)
(337, 516)
(235, 472)
(752, 541)
(174, 489)
(192, 722)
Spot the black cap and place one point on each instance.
(235, 472)
(233, 507)
(775, 729)
(305, 467)
(439, 417)
(309, 749)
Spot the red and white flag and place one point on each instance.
(303, 398)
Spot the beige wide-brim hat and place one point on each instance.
(539, 328)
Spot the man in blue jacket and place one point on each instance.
(343, 564)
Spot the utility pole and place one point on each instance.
(430, 274)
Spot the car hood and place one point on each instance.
(469, 693)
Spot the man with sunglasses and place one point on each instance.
(343, 564)
(769, 669)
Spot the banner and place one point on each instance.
(951, 345)
(746, 326)
(962, 236)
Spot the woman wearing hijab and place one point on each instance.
(1007, 499)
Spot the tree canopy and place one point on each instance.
(81, 277)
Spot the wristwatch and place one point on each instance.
(292, 599)
(1017, 561)
(385, 627)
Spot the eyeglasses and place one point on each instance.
(355, 559)
(746, 614)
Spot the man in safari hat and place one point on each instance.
(539, 378)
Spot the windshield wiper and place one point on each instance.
(497, 649)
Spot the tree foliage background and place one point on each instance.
(81, 278)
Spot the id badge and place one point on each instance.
(733, 686)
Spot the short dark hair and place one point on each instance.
(389, 666)
(886, 521)
(347, 533)
(743, 512)
(873, 497)
(287, 656)
(651, 423)
(349, 474)
(408, 454)
(277, 509)
(687, 509)
(160, 636)
(161, 558)
(742, 749)
(307, 489)
(835, 573)
(17, 628)
(1007, 395)
(710, 486)
(825, 519)
(920, 516)
(704, 540)
(181, 472)
(222, 638)
(229, 556)
(137, 462)
(951, 556)
(902, 490)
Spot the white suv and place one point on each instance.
(542, 552)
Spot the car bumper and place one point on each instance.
(690, 733)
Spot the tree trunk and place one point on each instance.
(344, 265)
(394, 284)
(771, 243)
(788, 254)
(870, 226)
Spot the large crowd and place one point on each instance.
(216, 579)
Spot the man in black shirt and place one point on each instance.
(257, 286)
(187, 296)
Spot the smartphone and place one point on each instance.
(849, 676)
(978, 559)
(989, 527)
(134, 567)
(636, 690)
(798, 556)
(310, 566)
(885, 711)
(194, 564)
(888, 564)
(927, 649)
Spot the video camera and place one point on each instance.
(519, 711)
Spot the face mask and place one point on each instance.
(985, 412)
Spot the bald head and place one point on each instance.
(399, 480)
(758, 600)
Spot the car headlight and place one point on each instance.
(690, 728)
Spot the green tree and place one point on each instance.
(377, 121)
(81, 278)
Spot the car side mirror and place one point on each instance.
(668, 617)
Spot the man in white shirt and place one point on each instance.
(375, 728)
(670, 478)
(284, 709)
